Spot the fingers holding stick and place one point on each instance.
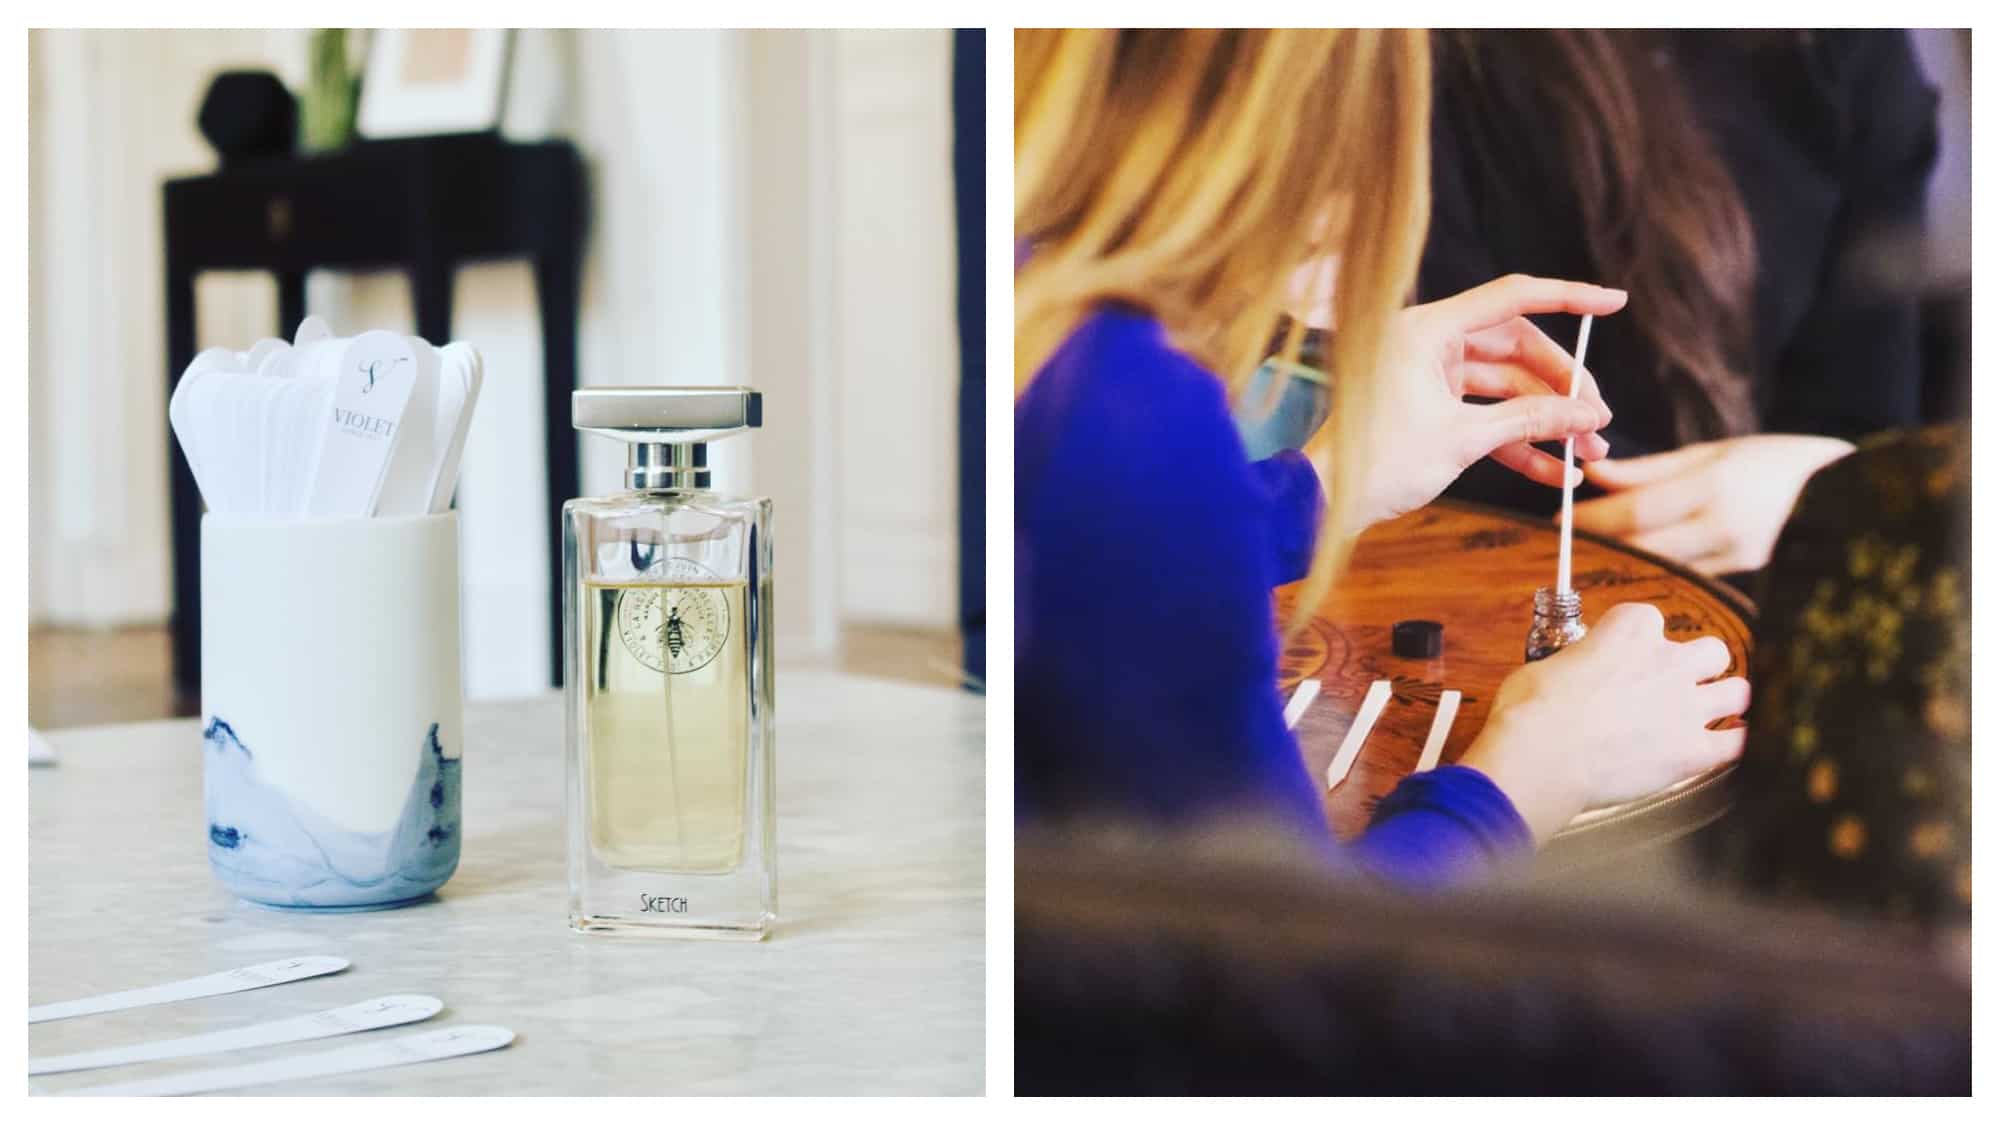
(1502, 299)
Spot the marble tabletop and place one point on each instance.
(872, 982)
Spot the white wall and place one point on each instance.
(109, 112)
(770, 208)
(896, 308)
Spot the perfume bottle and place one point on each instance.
(1558, 622)
(667, 632)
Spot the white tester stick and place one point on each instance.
(1569, 460)
(215, 984)
(1440, 730)
(1302, 697)
(424, 1046)
(385, 1011)
(1357, 734)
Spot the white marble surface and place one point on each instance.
(873, 981)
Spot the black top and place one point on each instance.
(1830, 138)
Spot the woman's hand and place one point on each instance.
(1421, 432)
(1622, 713)
(1717, 506)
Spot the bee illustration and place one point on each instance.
(676, 641)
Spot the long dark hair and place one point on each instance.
(1660, 212)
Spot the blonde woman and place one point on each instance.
(1171, 185)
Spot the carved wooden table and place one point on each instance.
(1475, 570)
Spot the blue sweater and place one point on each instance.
(1146, 664)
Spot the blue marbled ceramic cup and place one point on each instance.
(331, 709)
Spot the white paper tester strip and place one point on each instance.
(215, 984)
(424, 1046)
(383, 1011)
(1569, 462)
(1302, 698)
(1440, 730)
(1364, 721)
(376, 373)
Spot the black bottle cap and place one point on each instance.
(1417, 640)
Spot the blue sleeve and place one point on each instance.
(1145, 653)
(1146, 551)
(1292, 496)
(1446, 826)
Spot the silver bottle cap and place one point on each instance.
(667, 428)
(666, 415)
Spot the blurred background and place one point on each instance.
(771, 208)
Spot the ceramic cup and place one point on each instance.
(331, 712)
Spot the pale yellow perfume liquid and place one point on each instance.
(666, 703)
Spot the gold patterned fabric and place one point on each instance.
(1855, 788)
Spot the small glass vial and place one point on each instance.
(667, 633)
(1558, 622)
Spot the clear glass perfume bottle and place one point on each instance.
(667, 630)
(1558, 622)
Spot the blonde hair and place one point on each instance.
(1191, 173)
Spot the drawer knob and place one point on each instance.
(278, 218)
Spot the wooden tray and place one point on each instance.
(1475, 569)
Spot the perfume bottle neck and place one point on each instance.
(1558, 622)
(661, 466)
(1552, 605)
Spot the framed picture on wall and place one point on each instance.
(424, 81)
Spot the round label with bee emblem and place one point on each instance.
(681, 623)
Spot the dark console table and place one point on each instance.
(424, 205)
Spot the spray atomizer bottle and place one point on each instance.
(667, 630)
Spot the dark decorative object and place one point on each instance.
(249, 115)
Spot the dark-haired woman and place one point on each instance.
(1756, 192)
